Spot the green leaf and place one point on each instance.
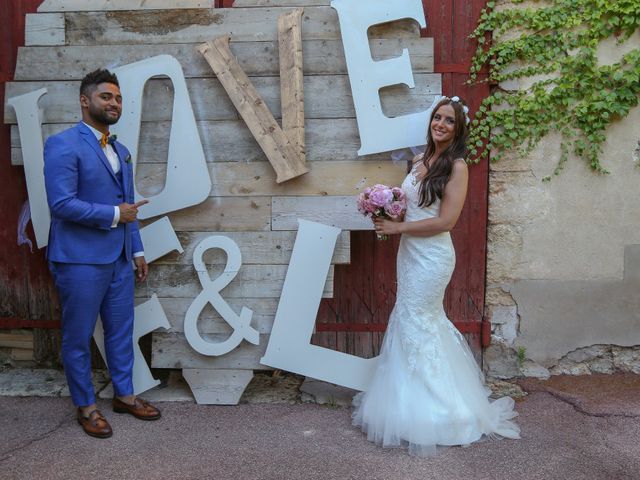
(570, 92)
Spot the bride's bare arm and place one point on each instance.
(452, 202)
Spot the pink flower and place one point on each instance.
(382, 201)
(381, 195)
(395, 209)
(398, 193)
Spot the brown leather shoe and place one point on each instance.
(95, 424)
(140, 409)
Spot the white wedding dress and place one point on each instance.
(427, 390)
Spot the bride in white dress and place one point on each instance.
(427, 390)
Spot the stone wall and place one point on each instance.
(563, 271)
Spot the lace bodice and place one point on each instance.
(424, 268)
(411, 186)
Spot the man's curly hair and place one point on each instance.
(92, 79)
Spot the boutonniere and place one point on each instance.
(128, 158)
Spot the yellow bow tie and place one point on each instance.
(107, 138)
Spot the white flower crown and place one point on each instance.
(456, 99)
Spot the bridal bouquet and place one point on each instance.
(382, 201)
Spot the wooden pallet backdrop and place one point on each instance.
(68, 38)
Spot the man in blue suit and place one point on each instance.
(93, 240)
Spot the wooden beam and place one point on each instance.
(280, 3)
(44, 29)
(225, 214)
(326, 96)
(9, 323)
(111, 5)
(16, 340)
(22, 354)
(171, 350)
(217, 387)
(271, 248)
(282, 155)
(210, 321)
(199, 25)
(321, 57)
(231, 179)
(252, 281)
(292, 78)
(340, 212)
(231, 143)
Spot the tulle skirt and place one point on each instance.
(441, 400)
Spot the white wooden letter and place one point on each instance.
(289, 348)
(188, 182)
(30, 127)
(241, 324)
(379, 133)
(158, 239)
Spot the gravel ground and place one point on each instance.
(568, 432)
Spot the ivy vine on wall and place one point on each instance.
(554, 44)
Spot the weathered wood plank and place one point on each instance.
(326, 96)
(272, 248)
(225, 214)
(209, 321)
(17, 340)
(200, 25)
(107, 5)
(217, 387)
(44, 29)
(329, 140)
(280, 3)
(256, 179)
(22, 354)
(171, 350)
(321, 57)
(242, 179)
(282, 154)
(252, 281)
(292, 78)
(339, 212)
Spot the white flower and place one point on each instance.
(455, 99)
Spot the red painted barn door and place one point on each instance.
(364, 291)
(26, 292)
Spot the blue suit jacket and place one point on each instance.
(82, 191)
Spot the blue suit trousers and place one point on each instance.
(86, 290)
